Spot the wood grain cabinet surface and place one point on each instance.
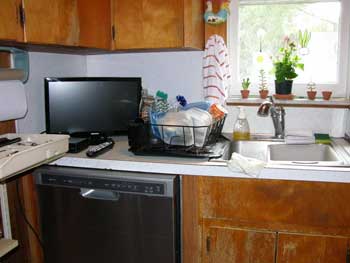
(252, 221)
(302, 248)
(10, 24)
(68, 22)
(158, 24)
(228, 245)
(103, 24)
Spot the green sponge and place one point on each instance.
(322, 138)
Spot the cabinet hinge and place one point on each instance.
(208, 244)
(347, 255)
(22, 15)
(113, 32)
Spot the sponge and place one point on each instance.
(322, 138)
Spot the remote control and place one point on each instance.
(100, 148)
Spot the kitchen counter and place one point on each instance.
(119, 158)
(6, 245)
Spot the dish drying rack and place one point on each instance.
(144, 141)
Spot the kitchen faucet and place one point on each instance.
(277, 114)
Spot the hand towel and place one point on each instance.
(250, 166)
(216, 70)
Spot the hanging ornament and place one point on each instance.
(220, 17)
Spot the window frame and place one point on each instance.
(340, 89)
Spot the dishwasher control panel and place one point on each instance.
(127, 186)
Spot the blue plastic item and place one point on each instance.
(203, 105)
(20, 60)
(182, 100)
(154, 116)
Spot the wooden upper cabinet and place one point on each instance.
(68, 22)
(10, 24)
(51, 22)
(298, 248)
(95, 23)
(156, 24)
(227, 245)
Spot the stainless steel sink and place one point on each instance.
(253, 149)
(306, 154)
(277, 152)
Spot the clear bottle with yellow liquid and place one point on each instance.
(241, 128)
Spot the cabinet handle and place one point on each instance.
(99, 194)
(113, 32)
(22, 16)
(347, 255)
(208, 244)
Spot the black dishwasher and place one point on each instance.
(91, 215)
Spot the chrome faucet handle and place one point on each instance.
(264, 109)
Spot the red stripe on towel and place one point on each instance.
(209, 96)
(215, 87)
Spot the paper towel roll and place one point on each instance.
(13, 101)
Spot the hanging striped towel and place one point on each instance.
(216, 70)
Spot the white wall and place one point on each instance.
(46, 65)
(173, 72)
(180, 73)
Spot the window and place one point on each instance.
(263, 24)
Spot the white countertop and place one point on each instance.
(6, 245)
(119, 158)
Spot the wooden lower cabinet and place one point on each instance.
(229, 245)
(261, 221)
(303, 248)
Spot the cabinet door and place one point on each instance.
(227, 245)
(148, 24)
(297, 248)
(95, 23)
(10, 24)
(51, 22)
(69, 22)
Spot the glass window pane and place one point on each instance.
(271, 23)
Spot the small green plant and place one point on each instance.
(304, 38)
(245, 84)
(262, 79)
(311, 86)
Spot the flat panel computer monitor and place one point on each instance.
(86, 106)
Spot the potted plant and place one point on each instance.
(285, 65)
(264, 92)
(327, 94)
(311, 93)
(245, 88)
(304, 39)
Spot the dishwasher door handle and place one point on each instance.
(99, 194)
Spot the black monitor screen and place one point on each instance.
(91, 105)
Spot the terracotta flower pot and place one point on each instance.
(263, 93)
(326, 95)
(311, 94)
(245, 93)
